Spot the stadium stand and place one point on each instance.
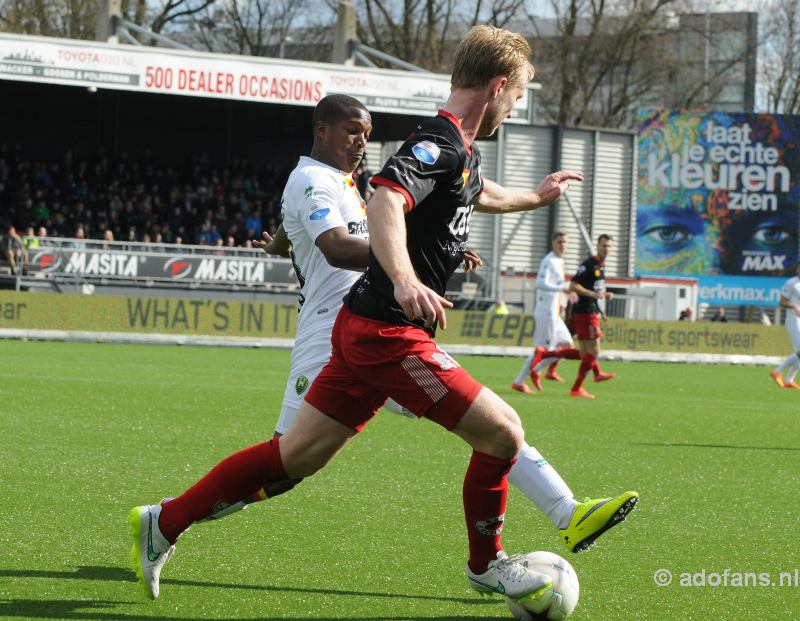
(137, 197)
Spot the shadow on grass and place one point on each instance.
(121, 574)
(103, 611)
(720, 446)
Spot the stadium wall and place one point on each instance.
(252, 323)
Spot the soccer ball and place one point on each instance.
(565, 589)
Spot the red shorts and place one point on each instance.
(586, 326)
(372, 360)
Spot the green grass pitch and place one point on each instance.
(87, 431)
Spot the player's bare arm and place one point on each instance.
(278, 244)
(343, 250)
(387, 230)
(785, 303)
(497, 199)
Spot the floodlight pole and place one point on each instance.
(345, 34)
(108, 19)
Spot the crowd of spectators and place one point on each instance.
(138, 198)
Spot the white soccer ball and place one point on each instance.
(565, 589)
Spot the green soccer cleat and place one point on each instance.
(594, 517)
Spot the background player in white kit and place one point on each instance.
(550, 332)
(790, 300)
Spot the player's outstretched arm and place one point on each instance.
(387, 233)
(343, 250)
(278, 245)
(497, 199)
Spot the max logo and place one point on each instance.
(764, 263)
(178, 267)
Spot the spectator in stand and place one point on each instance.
(80, 235)
(134, 194)
(686, 315)
(13, 249)
(720, 315)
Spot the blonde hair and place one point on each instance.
(487, 52)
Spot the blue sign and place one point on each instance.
(744, 290)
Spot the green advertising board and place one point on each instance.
(214, 317)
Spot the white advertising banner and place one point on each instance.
(246, 78)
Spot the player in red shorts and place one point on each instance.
(382, 341)
(590, 285)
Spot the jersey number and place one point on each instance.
(460, 223)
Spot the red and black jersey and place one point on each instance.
(591, 275)
(439, 175)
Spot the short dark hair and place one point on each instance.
(604, 237)
(333, 108)
(558, 234)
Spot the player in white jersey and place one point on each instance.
(324, 230)
(550, 332)
(320, 202)
(790, 300)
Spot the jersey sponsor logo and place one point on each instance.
(597, 273)
(454, 247)
(320, 213)
(358, 228)
(444, 360)
(465, 176)
(460, 223)
(426, 152)
(310, 192)
(301, 384)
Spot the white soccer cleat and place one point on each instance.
(508, 576)
(150, 551)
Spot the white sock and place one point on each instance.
(538, 480)
(790, 360)
(545, 363)
(789, 378)
(523, 372)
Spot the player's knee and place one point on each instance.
(308, 464)
(508, 439)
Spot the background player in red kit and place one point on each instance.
(590, 285)
(382, 341)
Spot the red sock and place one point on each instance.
(569, 353)
(485, 494)
(595, 367)
(552, 368)
(587, 362)
(233, 479)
